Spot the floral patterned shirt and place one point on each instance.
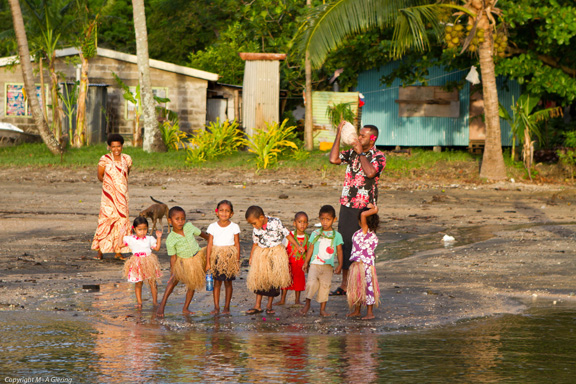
(363, 247)
(271, 234)
(360, 190)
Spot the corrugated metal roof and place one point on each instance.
(381, 110)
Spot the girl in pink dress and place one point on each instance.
(363, 286)
(143, 264)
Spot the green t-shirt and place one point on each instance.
(325, 244)
(183, 246)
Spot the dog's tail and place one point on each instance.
(156, 201)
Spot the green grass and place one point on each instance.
(35, 155)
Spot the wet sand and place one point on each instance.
(514, 244)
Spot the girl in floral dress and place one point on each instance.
(363, 286)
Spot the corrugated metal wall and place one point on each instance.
(260, 94)
(382, 111)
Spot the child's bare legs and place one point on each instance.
(138, 290)
(216, 294)
(282, 297)
(154, 292)
(258, 304)
(172, 282)
(306, 307)
(370, 313)
(356, 312)
(189, 296)
(323, 312)
(269, 308)
(228, 288)
(297, 298)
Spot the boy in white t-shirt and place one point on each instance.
(323, 244)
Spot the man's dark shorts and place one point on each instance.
(348, 224)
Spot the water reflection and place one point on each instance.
(537, 347)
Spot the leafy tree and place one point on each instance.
(24, 53)
(540, 57)
(415, 22)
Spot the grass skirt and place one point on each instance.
(143, 268)
(269, 269)
(224, 261)
(191, 271)
(360, 289)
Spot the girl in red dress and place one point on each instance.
(296, 259)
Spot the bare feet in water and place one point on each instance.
(215, 311)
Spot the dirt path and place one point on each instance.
(512, 241)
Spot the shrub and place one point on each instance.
(568, 155)
(218, 139)
(172, 136)
(268, 143)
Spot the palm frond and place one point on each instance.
(328, 25)
(410, 30)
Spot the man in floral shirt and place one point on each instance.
(364, 162)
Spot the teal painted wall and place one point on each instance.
(381, 110)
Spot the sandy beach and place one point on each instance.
(514, 243)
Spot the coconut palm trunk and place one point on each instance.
(56, 109)
(493, 167)
(29, 86)
(80, 133)
(152, 136)
(308, 118)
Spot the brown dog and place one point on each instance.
(155, 212)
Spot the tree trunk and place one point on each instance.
(152, 136)
(493, 167)
(56, 110)
(29, 85)
(80, 133)
(308, 117)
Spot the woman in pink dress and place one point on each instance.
(113, 224)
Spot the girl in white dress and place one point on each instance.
(223, 254)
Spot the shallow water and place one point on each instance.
(538, 346)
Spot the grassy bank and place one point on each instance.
(37, 155)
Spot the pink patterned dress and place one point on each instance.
(113, 223)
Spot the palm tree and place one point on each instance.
(152, 135)
(412, 20)
(29, 86)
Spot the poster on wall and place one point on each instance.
(15, 101)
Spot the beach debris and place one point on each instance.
(448, 239)
(91, 287)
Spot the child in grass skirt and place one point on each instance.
(363, 286)
(187, 261)
(143, 265)
(269, 270)
(224, 250)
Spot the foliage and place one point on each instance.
(524, 124)
(172, 136)
(68, 98)
(568, 155)
(268, 143)
(541, 58)
(217, 140)
(338, 112)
